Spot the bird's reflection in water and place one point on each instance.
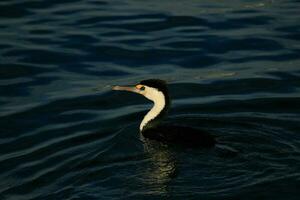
(164, 166)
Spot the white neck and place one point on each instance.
(159, 104)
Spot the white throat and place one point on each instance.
(158, 99)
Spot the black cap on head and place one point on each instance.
(156, 83)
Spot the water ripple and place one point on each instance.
(232, 68)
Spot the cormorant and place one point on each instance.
(152, 127)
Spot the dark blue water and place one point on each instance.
(233, 68)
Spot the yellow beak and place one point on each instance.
(126, 88)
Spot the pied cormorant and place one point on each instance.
(152, 127)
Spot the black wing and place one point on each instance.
(186, 136)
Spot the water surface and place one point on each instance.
(233, 68)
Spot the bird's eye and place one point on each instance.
(142, 88)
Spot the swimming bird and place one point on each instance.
(152, 126)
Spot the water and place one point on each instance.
(233, 68)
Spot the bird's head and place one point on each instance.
(152, 89)
(155, 90)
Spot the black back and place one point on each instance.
(184, 136)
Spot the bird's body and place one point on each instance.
(181, 135)
(152, 127)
